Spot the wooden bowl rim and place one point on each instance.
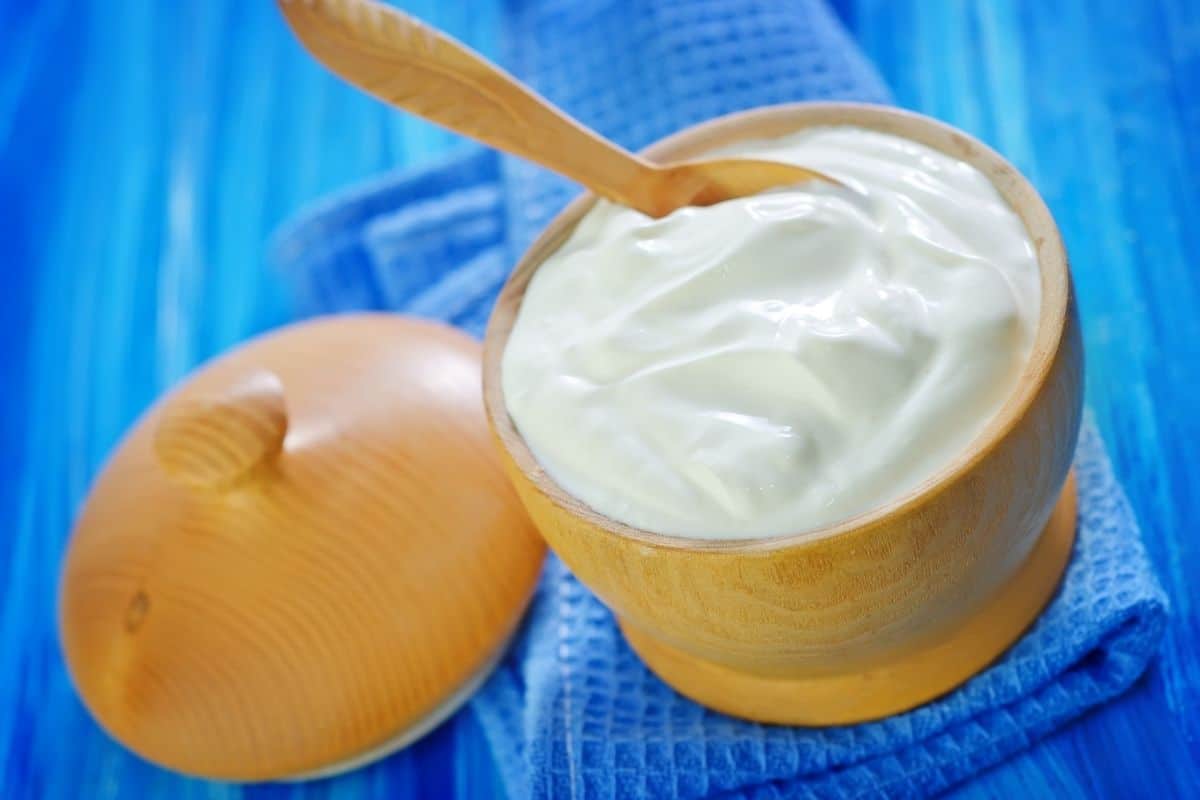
(765, 123)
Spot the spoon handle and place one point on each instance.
(408, 64)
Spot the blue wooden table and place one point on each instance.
(148, 148)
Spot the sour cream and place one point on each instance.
(773, 364)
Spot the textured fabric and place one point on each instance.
(571, 712)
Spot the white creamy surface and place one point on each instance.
(777, 363)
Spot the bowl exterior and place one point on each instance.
(921, 599)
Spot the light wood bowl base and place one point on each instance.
(910, 681)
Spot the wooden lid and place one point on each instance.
(302, 558)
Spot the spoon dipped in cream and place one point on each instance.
(405, 63)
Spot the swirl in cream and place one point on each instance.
(776, 363)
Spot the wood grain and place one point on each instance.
(244, 606)
(218, 442)
(794, 629)
(413, 66)
(919, 675)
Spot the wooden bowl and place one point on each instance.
(881, 612)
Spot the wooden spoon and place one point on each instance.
(410, 65)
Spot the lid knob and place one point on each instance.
(218, 441)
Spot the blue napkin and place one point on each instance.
(571, 712)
